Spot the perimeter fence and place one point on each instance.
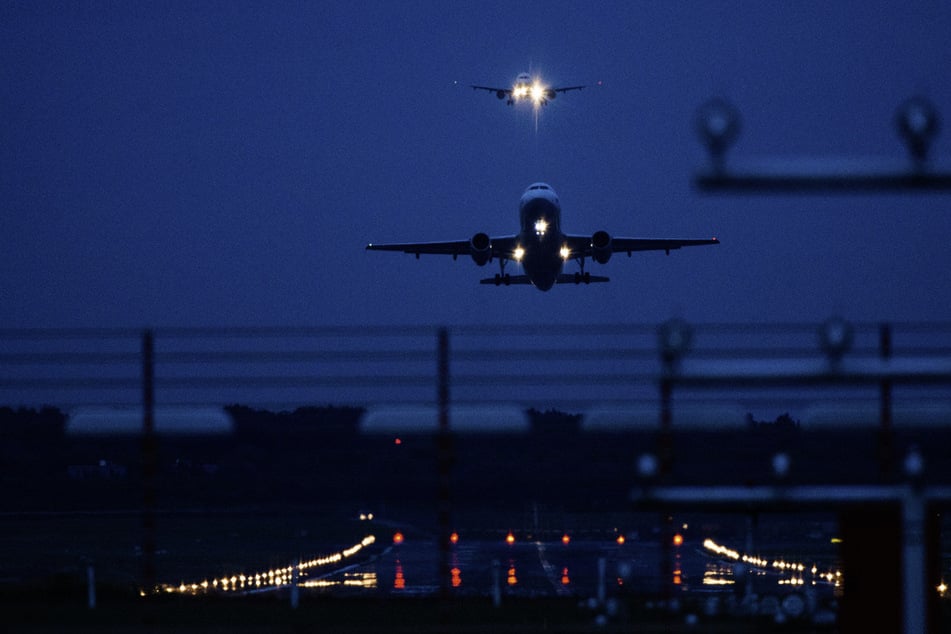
(841, 418)
(574, 368)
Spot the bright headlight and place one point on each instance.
(538, 92)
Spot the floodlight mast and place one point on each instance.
(917, 122)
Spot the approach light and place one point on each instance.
(918, 124)
(519, 254)
(914, 463)
(675, 336)
(647, 465)
(510, 538)
(781, 464)
(835, 337)
(718, 124)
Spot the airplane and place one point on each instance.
(527, 88)
(540, 247)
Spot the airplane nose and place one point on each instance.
(543, 282)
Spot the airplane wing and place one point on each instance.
(501, 247)
(453, 248)
(582, 245)
(566, 89)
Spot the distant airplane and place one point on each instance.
(527, 88)
(540, 246)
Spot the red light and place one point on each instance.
(454, 538)
(678, 540)
(565, 539)
(399, 581)
(397, 538)
(510, 538)
(398, 441)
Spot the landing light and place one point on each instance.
(538, 92)
(519, 254)
(565, 253)
(541, 226)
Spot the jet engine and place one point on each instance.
(601, 247)
(550, 94)
(480, 248)
(500, 94)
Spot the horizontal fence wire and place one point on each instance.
(541, 366)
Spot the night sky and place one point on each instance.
(225, 164)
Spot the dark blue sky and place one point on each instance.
(225, 164)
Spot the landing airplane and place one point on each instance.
(540, 247)
(527, 88)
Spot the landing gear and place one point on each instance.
(502, 279)
(582, 277)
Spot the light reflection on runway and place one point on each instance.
(532, 568)
(788, 573)
(519, 568)
(269, 579)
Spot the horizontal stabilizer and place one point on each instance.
(506, 280)
(577, 278)
(564, 278)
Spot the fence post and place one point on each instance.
(149, 461)
(444, 449)
(91, 586)
(885, 444)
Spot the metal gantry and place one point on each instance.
(916, 120)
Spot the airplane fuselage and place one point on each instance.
(540, 236)
(527, 89)
(540, 247)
